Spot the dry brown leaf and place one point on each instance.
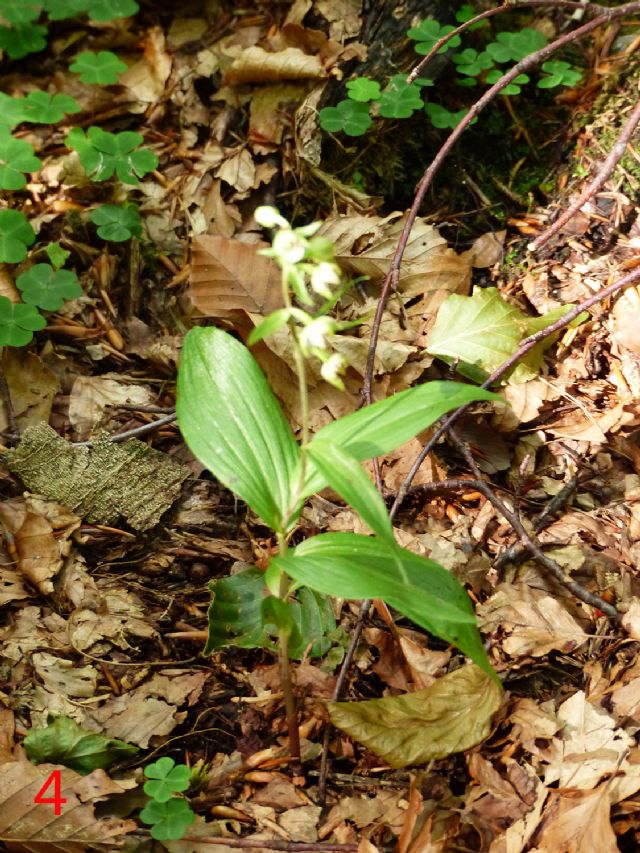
(270, 113)
(227, 275)
(256, 65)
(577, 822)
(91, 395)
(238, 170)
(147, 78)
(32, 387)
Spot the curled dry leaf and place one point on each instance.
(256, 65)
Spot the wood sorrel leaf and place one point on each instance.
(451, 715)
(352, 566)
(233, 424)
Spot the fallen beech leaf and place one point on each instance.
(577, 822)
(452, 715)
(256, 65)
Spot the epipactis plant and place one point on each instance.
(232, 422)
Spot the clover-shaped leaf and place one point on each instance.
(465, 13)
(428, 33)
(22, 39)
(170, 820)
(116, 223)
(58, 10)
(42, 108)
(362, 89)
(16, 157)
(47, 288)
(107, 10)
(514, 88)
(515, 46)
(165, 778)
(18, 322)
(11, 112)
(56, 254)
(102, 153)
(15, 235)
(471, 63)
(442, 118)
(559, 74)
(19, 11)
(400, 100)
(350, 116)
(102, 67)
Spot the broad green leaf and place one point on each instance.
(478, 333)
(351, 566)
(345, 475)
(236, 616)
(233, 424)
(385, 425)
(64, 742)
(451, 715)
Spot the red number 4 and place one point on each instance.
(57, 799)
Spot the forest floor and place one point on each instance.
(108, 549)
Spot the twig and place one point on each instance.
(605, 172)
(552, 567)
(133, 433)
(8, 405)
(273, 844)
(147, 410)
(526, 345)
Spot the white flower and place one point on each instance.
(288, 247)
(314, 335)
(331, 369)
(269, 217)
(322, 276)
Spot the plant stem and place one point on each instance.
(285, 669)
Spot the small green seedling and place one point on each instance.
(427, 33)
(18, 322)
(101, 68)
(364, 90)
(168, 815)
(102, 154)
(15, 235)
(470, 63)
(400, 100)
(514, 87)
(352, 117)
(44, 287)
(22, 39)
(443, 118)
(116, 223)
(558, 73)
(510, 47)
(56, 254)
(16, 157)
(42, 108)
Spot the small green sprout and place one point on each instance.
(427, 33)
(43, 108)
(44, 287)
(514, 87)
(102, 153)
(471, 63)
(165, 778)
(22, 39)
(443, 118)
(56, 254)
(15, 235)
(515, 46)
(116, 223)
(400, 100)
(362, 89)
(18, 322)
(170, 820)
(102, 68)
(16, 157)
(352, 117)
(558, 74)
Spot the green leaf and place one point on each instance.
(559, 74)
(233, 424)
(116, 223)
(15, 235)
(514, 87)
(56, 254)
(236, 616)
(18, 322)
(16, 157)
(22, 39)
(478, 333)
(59, 10)
(274, 321)
(385, 425)
(345, 475)
(471, 63)
(352, 117)
(400, 100)
(451, 715)
(19, 11)
(10, 112)
(363, 89)
(427, 33)
(108, 10)
(358, 567)
(169, 820)
(64, 742)
(165, 779)
(102, 153)
(443, 118)
(515, 46)
(47, 288)
(102, 68)
(42, 108)
(278, 614)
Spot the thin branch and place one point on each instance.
(133, 433)
(552, 567)
(273, 844)
(5, 394)
(526, 345)
(605, 172)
